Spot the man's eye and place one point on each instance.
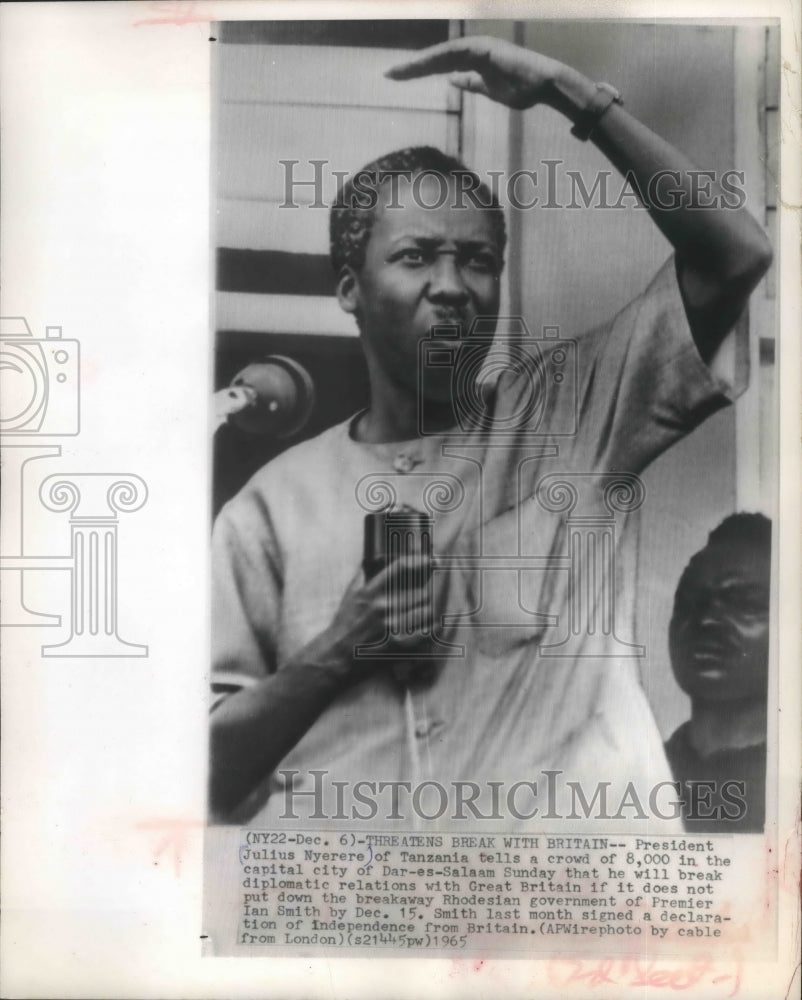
(750, 606)
(747, 600)
(412, 256)
(484, 262)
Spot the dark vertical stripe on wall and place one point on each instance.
(367, 34)
(274, 272)
(514, 218)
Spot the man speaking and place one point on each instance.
(501, 690)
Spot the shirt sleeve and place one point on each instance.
(641, 383)
(246, 595)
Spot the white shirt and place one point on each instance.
(287, 546)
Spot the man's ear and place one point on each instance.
(348, 290)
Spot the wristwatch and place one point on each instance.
(589, 118)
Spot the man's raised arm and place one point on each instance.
(722, 253)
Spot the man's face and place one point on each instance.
(719, 632)
(423, 267)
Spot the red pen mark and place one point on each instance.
(464, 966)
(175, 838)
(638, 974)
(177, 12)
(791, 867)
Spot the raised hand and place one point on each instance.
(402, 599)
(501, 71)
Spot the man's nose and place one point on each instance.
(711, 607)
(446, 282)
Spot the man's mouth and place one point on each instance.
(709, 653)
(448, 317)
(710, 673)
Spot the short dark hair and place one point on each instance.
(751, 533)
(354, 209)
(743, 528)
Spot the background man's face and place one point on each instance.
(424, 266)
(719, 633)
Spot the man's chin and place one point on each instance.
(716, 684)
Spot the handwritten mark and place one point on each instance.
(175, 838)
(639, 975)
(177, 13)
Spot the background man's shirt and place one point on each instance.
(715, 805)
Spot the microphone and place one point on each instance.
(275, 396)
(402, 532)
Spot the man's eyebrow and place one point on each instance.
(435, 241)
(419, 238)
(745, 585)
(728, 584)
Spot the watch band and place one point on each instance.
(589, 118)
